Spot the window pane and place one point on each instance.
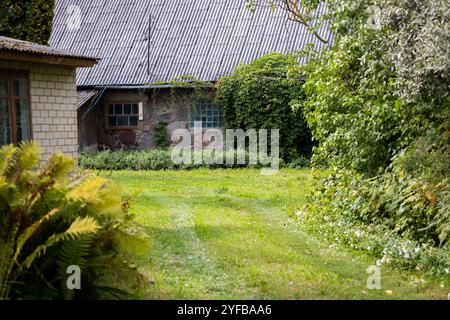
(3, 88)
(133, 121)
(110, 109)
(118, 109)
(122, 121)
(22, 121)
(112, 121)
(5, 123)
(127, 109)
(135, 109)
(20, 88)
(208, 113)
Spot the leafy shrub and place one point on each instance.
(260, 95)
(324, 217)
(51, 220)
(152, 160)
(403, 214)
(127, 160)
(379, 107)
(299, 163)
(360, 102)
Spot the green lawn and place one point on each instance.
(227, 234)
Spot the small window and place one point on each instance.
(208, 113)
(123, 115)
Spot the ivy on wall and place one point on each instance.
(262, 95)
(161, 140)
(29, 20)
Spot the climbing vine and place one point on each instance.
(261, 95)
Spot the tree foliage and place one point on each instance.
(261, 95)
(29, 20)
(378, 89)
(378, 105)
(303, 12)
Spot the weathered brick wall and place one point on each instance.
(160, 105)
(53, 101)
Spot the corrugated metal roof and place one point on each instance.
(10, 44)
(146, 41)
(84, 96)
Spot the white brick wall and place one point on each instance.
(53, 101)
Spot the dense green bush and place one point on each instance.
(345, 217)
(29, 20)
(377, 90)
(260, 95)
(53, 218)
(379, 107)
(127, 160)
(154, 160)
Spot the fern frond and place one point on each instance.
(6, 155)
(28, 233)
(130, 243)
(73, 252)
(78, 228)
(28, 155)
(82, 226)
(6, 253)
(58, 166)
(101, 197)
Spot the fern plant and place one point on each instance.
(52, 218)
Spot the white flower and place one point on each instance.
(358, 233)
(385, 259)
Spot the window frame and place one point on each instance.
(209, 103)
(123, 102)
(10, 75)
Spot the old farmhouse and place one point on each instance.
(156, 55)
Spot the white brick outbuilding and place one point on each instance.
(38, 96)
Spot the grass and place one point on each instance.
(228, 234)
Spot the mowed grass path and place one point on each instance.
(227, 234)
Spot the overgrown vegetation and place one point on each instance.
(29, 20)
(378, 104)
(161, 140)
(54, 218)
(260, 95)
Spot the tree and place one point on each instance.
(379, 107)
(379, 88)
(299, 11)
(29, 20)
